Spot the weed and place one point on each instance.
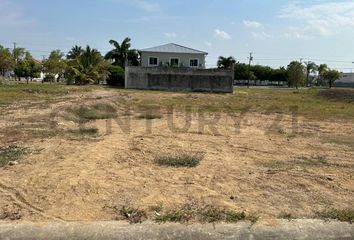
(10, 154)
(133, 215)
(343, 215)
(180, 160)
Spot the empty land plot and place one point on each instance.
(92, 154)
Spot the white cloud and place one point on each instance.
(222, 35)
(170, 35)
(12, 17)
(319, 20)
(252, 24)
(208, 44)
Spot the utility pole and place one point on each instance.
(249, 69)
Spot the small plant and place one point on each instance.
(343, 215)
(10, 154)
(133, 215)
(180, 160)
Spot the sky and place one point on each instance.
(275, 31)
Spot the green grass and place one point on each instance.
(205, 214)
(179, 160)
(304, 102)
(343, 215)
(35, 91)
(10, 154)
(94, 112)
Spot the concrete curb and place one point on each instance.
(297, 229)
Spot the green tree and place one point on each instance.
(279, 75)
(262, 72)
(296, 74)
(122, 53)
(75, 52)
(311, 67)
(27, 67)
(7, 61)
(331, 76)
(55, 64)
(225, 62)
(88, 68)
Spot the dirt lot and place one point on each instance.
(69, 157)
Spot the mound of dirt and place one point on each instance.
(346, 95)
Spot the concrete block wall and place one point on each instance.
(203, 80)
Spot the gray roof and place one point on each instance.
(172, 48)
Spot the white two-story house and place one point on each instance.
(172, 55)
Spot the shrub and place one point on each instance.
(49, 78)
(116, 76)
(180, 160)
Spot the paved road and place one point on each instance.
(297, 229)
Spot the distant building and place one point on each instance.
(172, 55)
(347, 80)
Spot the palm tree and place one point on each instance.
(226, 63)
(321, 70)
(74, 52)
(88, 68)
(311, 67)
(121, 53)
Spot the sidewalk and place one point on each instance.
(278, 229)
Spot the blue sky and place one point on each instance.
(276, 31)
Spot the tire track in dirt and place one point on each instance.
(17, 197)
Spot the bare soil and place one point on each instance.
(263, 164)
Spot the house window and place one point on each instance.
(153, 61)
(174, 62)
(194, 63)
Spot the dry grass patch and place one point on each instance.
(179, 160)
(133, 215)
(343, 215)
(10, 154)
(95, 112)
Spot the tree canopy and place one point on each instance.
(122, 52)
(296, 74)
(88, 68)
(226, 62)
